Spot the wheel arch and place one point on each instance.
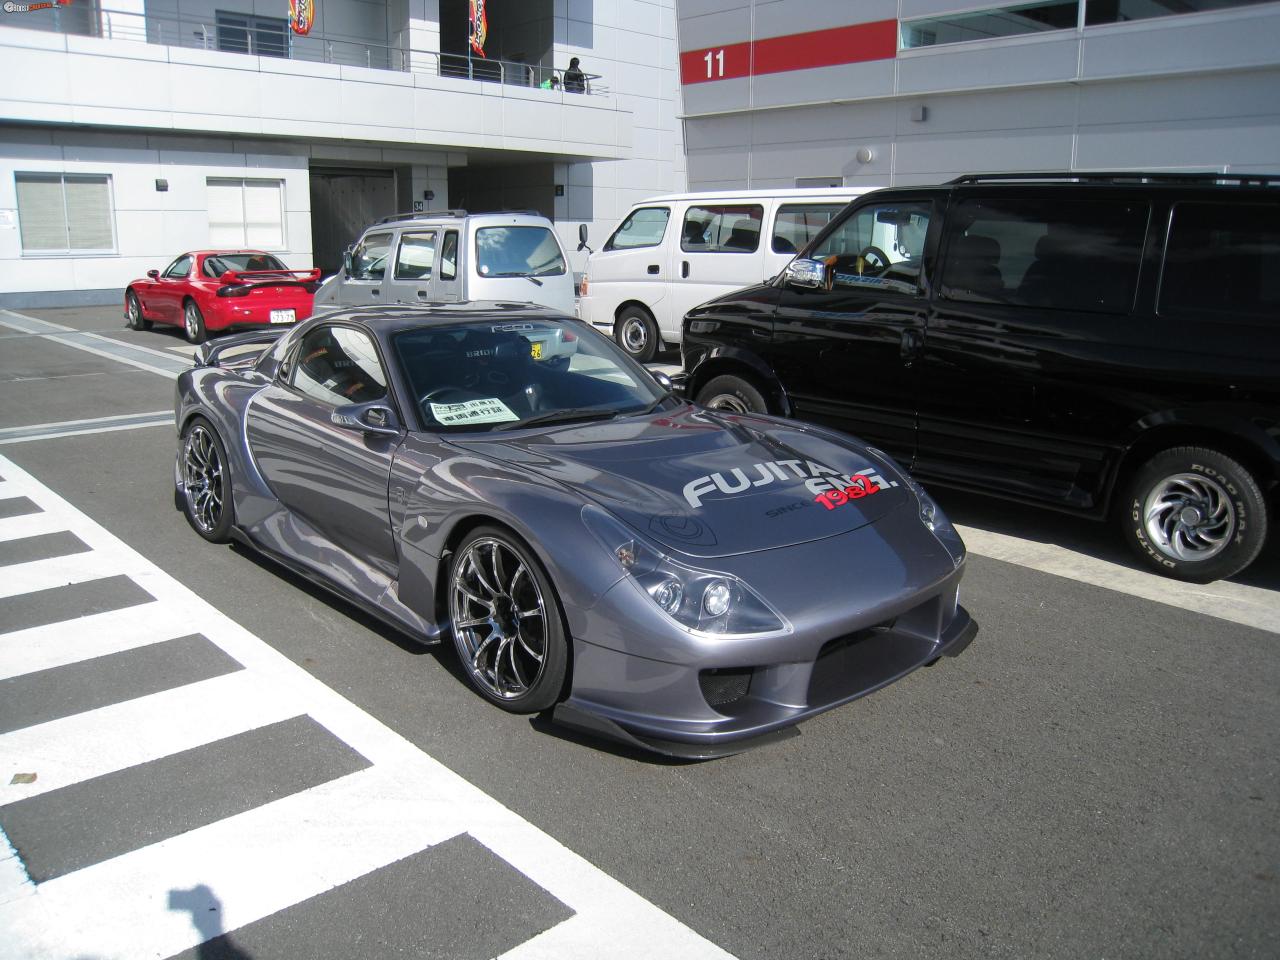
(740, 363)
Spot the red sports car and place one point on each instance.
(208, 291)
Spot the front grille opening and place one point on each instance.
(725, 685)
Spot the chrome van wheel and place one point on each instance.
(636, 333)
(1195, 514)
(506, 623)
(206, 486)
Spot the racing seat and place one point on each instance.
(973, 270)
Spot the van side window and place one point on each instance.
(879, 246)
(449, 256)
(1222, 258)
(642, 228)
(416, 256)
(369, 258)
(798, 223)
(722, 229)
(1064, 255)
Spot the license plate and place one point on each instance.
(537, 351)
(283, 316)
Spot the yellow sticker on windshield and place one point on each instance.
(536, 350)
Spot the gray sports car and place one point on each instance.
(685, 580)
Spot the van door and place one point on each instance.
(717, 250)
(846, 352)
(793, 225)
(446, 287)
(1034, 353)
(369, 258)
(414, 269)
(633, 265)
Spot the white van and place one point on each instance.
(671, 253)
(452, 256)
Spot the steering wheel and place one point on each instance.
(439, 394)
(872, 258)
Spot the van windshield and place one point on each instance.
(518, 252)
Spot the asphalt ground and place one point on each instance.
(1096, 776)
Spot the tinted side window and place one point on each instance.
(722, 229)
(1064, 255)
(179, 268)
(798, 223)
(1222, 258)
(338, 365)
(369, 258)
(880, 246)
(642, 228)
(449, 256)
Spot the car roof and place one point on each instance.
(387, 320)
(788, 193)
(434, 218)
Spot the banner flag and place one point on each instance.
(302, 14)
(479, 26)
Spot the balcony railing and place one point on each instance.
(271, 37)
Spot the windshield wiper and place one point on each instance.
(534, 280)
(564, 416)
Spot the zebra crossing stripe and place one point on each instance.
(271, 857)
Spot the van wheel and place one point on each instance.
(637, 334)
(733, 394)
(1195, 514)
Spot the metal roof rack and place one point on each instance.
(1123, 176)
(419, 214)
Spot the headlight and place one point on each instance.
(702, 601)
(931, 516)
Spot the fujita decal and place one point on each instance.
(819, 479)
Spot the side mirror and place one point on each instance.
(346, 261)
(153, 274)
(582, 238)
(663, 380)
(810, 274)
(376, 418)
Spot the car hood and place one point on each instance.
(708, 484)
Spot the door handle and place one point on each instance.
(684, 269)
(909, 349)
(422, 294)
(653, 268)
(375, 292)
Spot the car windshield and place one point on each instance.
(507, 375)
(216, 266)
(518, 252)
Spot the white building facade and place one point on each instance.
(781, 93)
(134, 130)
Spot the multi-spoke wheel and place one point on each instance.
(1196, 514)
(734, 394)
(133, 312)
(206, 484)
(506, 623)
(193, 323)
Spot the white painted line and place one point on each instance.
(22, 578)
(110, 349)
(83, 431)
(32, 325)
(28, 525)
(73, 641)
(14, 882)
(1238, 603)
(91, 422)
(271, 857)
(92, 744)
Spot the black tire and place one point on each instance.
(504, 614)
(205, 491)
(637, 334)
(133, 313)
(1195, 514)
(193, 323)
(733, 394)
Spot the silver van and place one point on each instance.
(451, 256)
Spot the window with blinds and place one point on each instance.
(65, 213)
(246, 213)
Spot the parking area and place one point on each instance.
(1094, 776)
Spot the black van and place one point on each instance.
(1104, 344)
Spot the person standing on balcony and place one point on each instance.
(575, 81)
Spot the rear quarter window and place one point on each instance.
(797, 223)
(1224, 259)
(728, 228)
(1081, 255)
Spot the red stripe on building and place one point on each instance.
(856, 43)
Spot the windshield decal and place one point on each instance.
(491, 410)
(818, 480)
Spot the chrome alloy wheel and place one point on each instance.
(499, 619)
(1188, 516)
(635, 335)
(191, 317)
(202, 473)
(728, 401)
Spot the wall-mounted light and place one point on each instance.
(428, 195)
(920, 113)
(865, 155)
(559, 189)
(162, 186)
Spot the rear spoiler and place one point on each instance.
(207, 353)
(268, 276)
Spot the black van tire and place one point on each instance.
(1222, 498)
(733, 395)
(637, 334)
